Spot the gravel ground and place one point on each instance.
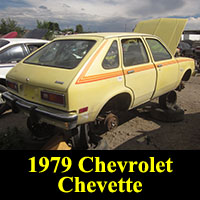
(137, 129)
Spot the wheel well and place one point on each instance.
(119, 102)
(187, 75)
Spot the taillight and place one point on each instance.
(52, 97)
(12, 85)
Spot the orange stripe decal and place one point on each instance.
(175, 61)
(92, 78)
(82, 76)
(98, 77)
(87, 79)
(185, 60)
(139, 69)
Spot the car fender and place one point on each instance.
(107, 98)
(96, 99)
(185, 64)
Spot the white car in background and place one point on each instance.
(11, 52)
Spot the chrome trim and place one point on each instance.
(41, 112)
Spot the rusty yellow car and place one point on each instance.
(86, 78)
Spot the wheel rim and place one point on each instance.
(111, 122)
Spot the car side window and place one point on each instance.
(12, 54)
(134, 52)
(111, 59)
(158, 51)
(34, 47)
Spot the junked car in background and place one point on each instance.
(11, 52)
(196, 47)
(186, 50)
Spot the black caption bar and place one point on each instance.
(99, 174)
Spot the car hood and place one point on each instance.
(168, 29)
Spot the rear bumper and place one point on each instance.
(66, 120)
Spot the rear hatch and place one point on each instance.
(51, 70)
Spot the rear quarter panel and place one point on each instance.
(94, 86)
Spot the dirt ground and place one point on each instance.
(137, 129)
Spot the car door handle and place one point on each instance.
(160, 65)
(131, 71)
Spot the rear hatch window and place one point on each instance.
(65, 54)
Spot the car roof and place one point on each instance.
(13, 41)
(114, 34)
(105, 35)
(23, 40)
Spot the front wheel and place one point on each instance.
(168, 100)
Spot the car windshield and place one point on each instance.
(62, 53)
(3, 43)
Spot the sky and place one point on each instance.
(99, 15)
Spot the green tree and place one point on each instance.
(9, 25)
(53, 26)
(65, 31)
(42, 25)
(50, 26)
(79, 28)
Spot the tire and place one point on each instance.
(174, 114)
(168, 100)
(3, 105)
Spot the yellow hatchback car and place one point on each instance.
(80, 79)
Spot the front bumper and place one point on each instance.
(39, 113)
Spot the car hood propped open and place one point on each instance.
(168, 29)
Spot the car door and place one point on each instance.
(32, 47)
(139, 71)
(166, 66)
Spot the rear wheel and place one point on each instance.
(111, 121)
